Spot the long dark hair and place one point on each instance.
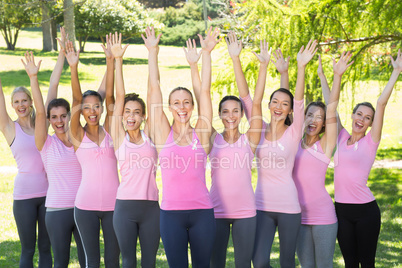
(367, 104)
(92, 93)
(286, 91)
(321, 105)
(60, 102)
(135, 97)
(229, 97)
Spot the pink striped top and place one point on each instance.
(232, 193)
(31, 181)
(183, 175)
(100, 180)
(63, 172)
(309, 175)
(352, 167)
(276, 190)
(138, 170)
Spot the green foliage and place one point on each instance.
(178, 35)
(96, 18)
(14, 15)
(370, 29)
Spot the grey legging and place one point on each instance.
(133, 219)
(60, 226)
(27, 213)
(288, 229)
(88, 224)
(316, 245)
(243, 234)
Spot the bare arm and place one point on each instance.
(254, 133)
(234, 48)
(158, 124)
(282, 66)
(192, 57)
(328, 141)
(6, 124)
(117, 130)
(382, 101)
(303, 58)
(109, 99)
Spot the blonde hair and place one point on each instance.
(28, 93)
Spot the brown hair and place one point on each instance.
(135, 97)
(321, 105)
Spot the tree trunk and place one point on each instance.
(54, 34)
(46, 28)
(69, 24)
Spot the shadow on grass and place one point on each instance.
(20, 78)
(102, 61)
(390, 153)
(178, 67)
(37, 52)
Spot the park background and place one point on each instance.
(370, 29)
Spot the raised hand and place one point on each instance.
(234, 46)
(281, 64)
(116, 48)
(191, 53)
(341, 66)
(62, 40)
(320, 70)
(397, 63)
(150, 41)
(71, 55)
(108, 48)
(265, 56)
(305, 55)
(30, 66)
(210, 41)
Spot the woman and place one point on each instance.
(137, 211)
(317, 235)
(96, 196)
(359, 218)
(276, 194)
(186, 210)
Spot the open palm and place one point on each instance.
(150, 40)
(30, 67)
(234, 46)
(305, 55)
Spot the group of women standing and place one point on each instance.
(74, 174)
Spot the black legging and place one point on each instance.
(27, 214)
(243, 235)
(88, 224)
(134, 219)
(60, 227)
(358, 230)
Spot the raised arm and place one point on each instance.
(234, 48)
(382, 101)
(40, 120)
(282, 66)
(117, 130)
(109, 99)
(254, 133)
(157, 122)
(75, 126)
(328, 141)
(6, 124)
(204, 122)
(192, 57)
(303, 58)
(58, 69)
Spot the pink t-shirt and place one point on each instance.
(183, 175)
(276, 190)
(232, 193)
(63, 173)
(100, 180)
(352, 168)
(309, 176)
(31, 181)
(138, 169)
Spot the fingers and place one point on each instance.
(40, 61)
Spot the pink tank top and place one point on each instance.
(352, 168)
(100, 180)
(183, 175)
(309, 175)
(138, 169)
(232, 193)
(31, 181)
(63, 173)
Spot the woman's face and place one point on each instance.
(59, 119)
(314, 120)
(231, 114)
(181, 106)
(280, 106)
(362, 119)
(133, 115)
(22, 104)
(92, 110)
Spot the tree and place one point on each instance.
(370, 29)
(14, 15)
(69, 21)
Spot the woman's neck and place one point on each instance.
(355, 137)
(181, 128)
(25, 122)
(276, 126)
(92, 129)
(309, 140)
(231, 135)
(135, 135)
